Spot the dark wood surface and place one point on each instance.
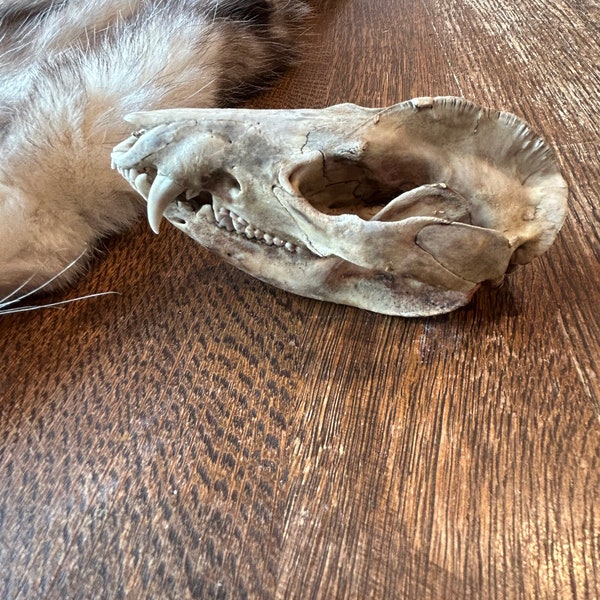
(203, 435)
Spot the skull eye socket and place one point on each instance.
(336, 185)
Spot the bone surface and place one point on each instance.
(405, 210)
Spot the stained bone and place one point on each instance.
(404, 210)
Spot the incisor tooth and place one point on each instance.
(142, 185)
(163, 191)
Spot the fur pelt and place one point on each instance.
(70, 70)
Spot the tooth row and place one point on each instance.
(227, 219)
(133, 178)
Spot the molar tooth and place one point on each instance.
(163, 191)
(237, 225)
(258, 234)
(278, 241)
(268, 238)
(290, 247)
(249, 231)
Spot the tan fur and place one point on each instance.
(67, 77)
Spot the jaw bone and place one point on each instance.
(404, 210)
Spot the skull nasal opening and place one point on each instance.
(336, 185)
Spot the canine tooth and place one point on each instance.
(163, 191)
(142, 184)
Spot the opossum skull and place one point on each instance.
(404, 210)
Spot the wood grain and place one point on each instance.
(203, 435)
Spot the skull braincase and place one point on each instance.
(404, 210)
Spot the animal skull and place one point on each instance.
(404, 210)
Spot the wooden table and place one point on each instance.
(204, 435)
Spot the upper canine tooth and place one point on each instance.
(163, 191)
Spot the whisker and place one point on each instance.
(6, 301)
(10, 311)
